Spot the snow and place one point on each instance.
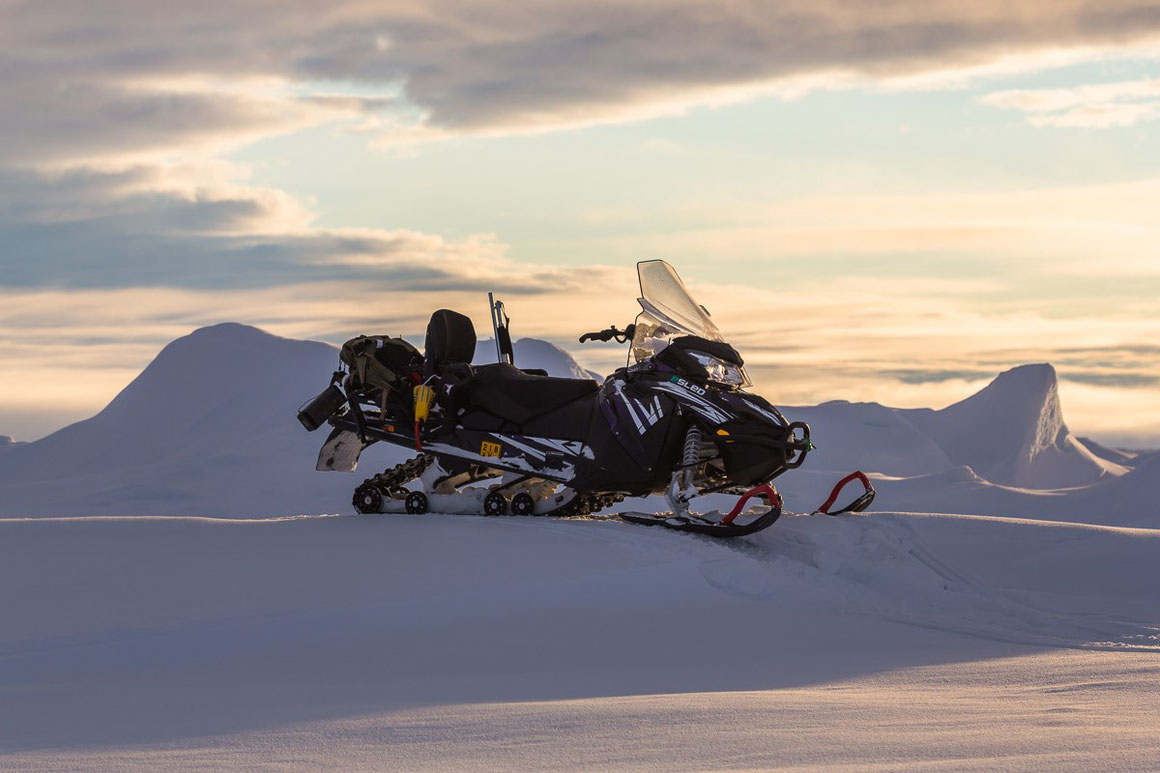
(1119, 456)
(998, 613)
(1013, 432)
(899, 641)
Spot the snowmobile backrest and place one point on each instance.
(450, 339)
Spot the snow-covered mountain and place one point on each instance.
(1012, 432)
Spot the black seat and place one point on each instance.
(515, 396)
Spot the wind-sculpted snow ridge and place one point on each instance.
(1012, 432)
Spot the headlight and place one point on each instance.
(720, 371)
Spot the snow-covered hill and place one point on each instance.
(208, 426)
(1012, 433)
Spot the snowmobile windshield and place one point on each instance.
(667, 310)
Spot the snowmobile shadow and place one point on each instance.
(167, 629)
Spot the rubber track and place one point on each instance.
(402, 474)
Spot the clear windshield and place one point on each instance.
(667, 310)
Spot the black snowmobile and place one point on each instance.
(496, 439)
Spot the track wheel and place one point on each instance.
(416, 503)
(523, 504)
(368, 499)
(495, 503)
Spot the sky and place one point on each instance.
(883, 202)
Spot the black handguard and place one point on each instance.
(610, 333)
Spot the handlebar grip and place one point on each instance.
(602, 335)
(610, 333)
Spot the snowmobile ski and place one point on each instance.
(727, 525)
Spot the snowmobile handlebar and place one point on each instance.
(610, 333)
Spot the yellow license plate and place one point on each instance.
(490, 449)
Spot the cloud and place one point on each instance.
(126, 78)
(193, 226)
(1097, 230)
(116, 115)
(1092, 106)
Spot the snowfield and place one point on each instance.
(170, 599)
(880, 642)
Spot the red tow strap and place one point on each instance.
(764, 490)
(859, 504)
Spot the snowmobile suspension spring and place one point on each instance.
(691, 454)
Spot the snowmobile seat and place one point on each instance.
(513, 395)
(450, 342)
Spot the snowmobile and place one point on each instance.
(496, 439)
